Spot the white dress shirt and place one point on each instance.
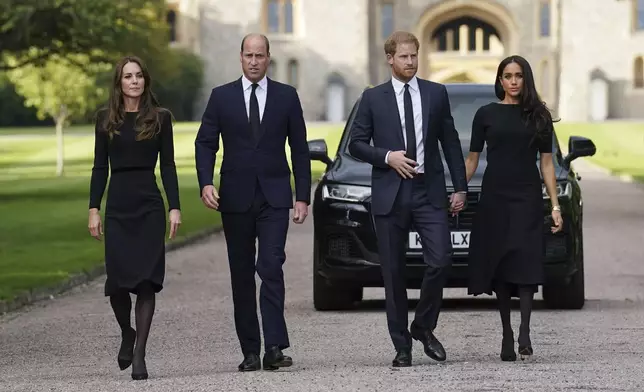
(260, 93)
(414, 91)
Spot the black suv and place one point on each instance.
(345, 252)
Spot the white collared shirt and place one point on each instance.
(414, 91)
(260, 93)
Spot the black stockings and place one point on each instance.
(143, 311)
(504, 297)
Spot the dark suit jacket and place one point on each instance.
(378, 119)
(246, 162)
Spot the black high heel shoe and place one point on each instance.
(139, 369)
(126, 352)
(525, 352)
(507, 349)
(525, 346)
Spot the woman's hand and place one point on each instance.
(558, 221)
(175, 222)
(95, 227)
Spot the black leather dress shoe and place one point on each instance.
(433, 348)
(402, 359)
(250, 363)
(275, 359)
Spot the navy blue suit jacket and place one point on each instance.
(377, 119)
(245, 163)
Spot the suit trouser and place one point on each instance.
(412, 207)
(269, 226)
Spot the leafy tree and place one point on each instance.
(64, 89)
(32, 31)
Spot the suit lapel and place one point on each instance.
(238, 99)
(425, 102)
(271, 95)
(390, 97)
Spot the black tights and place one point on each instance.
(504, 297)
(143, 312)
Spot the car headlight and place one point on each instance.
(563, 190)
(354, 193)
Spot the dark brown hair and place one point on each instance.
(397, 38)
(148, 121)
(535, 112)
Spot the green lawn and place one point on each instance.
(43, 230)
(620, 145)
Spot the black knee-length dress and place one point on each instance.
(507, 234)
(135, 214)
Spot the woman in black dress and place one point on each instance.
(130, 134)
(506, 253)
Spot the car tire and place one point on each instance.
(568, 296)
(328, 295)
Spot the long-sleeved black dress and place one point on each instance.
(507, 235)
(135, 218)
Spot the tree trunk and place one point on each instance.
(60, 143)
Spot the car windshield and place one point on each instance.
(464, 107)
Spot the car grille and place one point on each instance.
(465, 218)
(342, 245)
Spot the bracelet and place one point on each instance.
(556, 208)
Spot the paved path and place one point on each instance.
(70, 344)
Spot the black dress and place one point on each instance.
(507, 234)
(135, 219)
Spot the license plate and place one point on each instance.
(460, 240)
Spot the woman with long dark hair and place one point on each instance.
(507, 250)
(131, 133)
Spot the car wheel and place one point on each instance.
(329, 295)
(569, 296)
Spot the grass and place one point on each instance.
(620, 145)
(43, 230)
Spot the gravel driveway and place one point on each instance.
(70, 344)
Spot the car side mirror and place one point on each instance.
(318, 151)
(579, 146)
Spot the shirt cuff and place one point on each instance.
(387, 157)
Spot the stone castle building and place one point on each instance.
(587, 55)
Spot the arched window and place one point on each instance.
(293, 74)
(638, 15)
(279, 16)
(545, 78)
(272, 70)
(544, 18)
(638, 72)
(386, 15)
(171, 19)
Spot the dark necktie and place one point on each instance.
(409, 125)
(254, 113)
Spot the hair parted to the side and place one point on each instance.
(148, 120)
(536, 113)
(397, 38)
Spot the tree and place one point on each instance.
(32, 31)
(62, 89)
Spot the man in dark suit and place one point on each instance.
(255, 116)
(406, 117)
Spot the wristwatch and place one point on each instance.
(556, 208)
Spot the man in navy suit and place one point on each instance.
(406, 118)
(255, 116)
